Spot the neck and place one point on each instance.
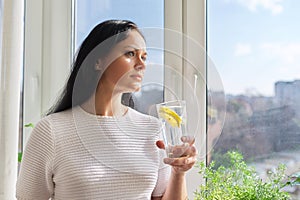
(105, 105)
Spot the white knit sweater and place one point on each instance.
(76, 155)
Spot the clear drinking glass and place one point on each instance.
(172, 115)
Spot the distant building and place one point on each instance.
(288, 93)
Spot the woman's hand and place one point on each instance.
(185, 156)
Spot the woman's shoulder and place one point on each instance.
(59, 116)
(141, 116)
(46, 123)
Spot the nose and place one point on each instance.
(140, 64)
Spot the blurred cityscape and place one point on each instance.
(259, 125)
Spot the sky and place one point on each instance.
(252, 43)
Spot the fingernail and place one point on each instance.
(184, 138)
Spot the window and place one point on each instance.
(51, 40)
(47, 56)
(255, 47)
(149, 16)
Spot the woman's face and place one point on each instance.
(125, 64)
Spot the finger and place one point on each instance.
(179, 150)
(173, 161)
(188, 139)
(160, 144)
(190, 151)
(183, 150)
(191, 160)
(183, 168)
(179, 162)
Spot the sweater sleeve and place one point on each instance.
(35, 175)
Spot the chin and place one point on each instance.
(138, 89)
(135, 87)
(131, 90)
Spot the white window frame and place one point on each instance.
(47, 60)
(11, 43)
(188, 18)
(48, 34)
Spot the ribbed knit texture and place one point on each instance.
(76, 155)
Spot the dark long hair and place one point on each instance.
(83, 79)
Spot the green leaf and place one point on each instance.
(20, 154)
(29, 125)
(239, 181)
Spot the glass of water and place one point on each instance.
(172, 115)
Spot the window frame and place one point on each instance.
(11, 41)
(47, 61)
(188, 18)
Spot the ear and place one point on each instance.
(99, 65)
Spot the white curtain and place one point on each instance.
(11, 63)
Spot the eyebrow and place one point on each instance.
(136, 49)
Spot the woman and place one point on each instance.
(92, 146)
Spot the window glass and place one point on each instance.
(148, 15)
(255, 46)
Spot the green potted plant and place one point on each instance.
(238, 181)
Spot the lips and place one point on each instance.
(137, 77)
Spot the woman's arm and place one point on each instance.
(35, 177)
(176, 189)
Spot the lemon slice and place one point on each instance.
(170, 116)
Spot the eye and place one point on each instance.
(130, 53)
